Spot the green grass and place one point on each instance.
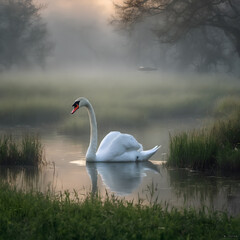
(213, 148)
(34, 215)
(28, 151)
(126, 99)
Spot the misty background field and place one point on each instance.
(121, 100)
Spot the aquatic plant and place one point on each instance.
(215, 147)
(34, 215)
(27, 151)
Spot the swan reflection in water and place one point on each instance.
(120, 178)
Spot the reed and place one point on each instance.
(34, 215)
(27, 151)
(213, 148)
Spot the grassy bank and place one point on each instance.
(212, 148)
(129, 99)
(27, 151)
(38, 216)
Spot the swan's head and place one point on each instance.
(80, 102)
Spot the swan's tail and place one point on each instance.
(145, 155)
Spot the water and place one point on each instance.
(147, 181)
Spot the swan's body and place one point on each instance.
(116, 146)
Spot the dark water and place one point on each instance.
(149, 181)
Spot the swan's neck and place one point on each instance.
(92, 149)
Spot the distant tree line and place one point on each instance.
(23, 35)
(205, 33)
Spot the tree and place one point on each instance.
(23, 35)
(174, 19)
(205, 49)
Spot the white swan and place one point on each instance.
(115, 147)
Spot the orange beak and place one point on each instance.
(75, 109)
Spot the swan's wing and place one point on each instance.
(116, 143)
(107, 140)
(129, 142)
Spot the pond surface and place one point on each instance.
(147, 181)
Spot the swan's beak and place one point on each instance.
(76, 107)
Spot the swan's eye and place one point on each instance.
(76, 104)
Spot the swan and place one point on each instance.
(116, 146)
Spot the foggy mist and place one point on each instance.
(79, 35)
(84, 39)
(83, 36)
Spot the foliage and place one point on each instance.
(28, 152)
(33, 215)
(23, 34)
(216, 147)
(205, 49)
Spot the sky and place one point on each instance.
(105, 6)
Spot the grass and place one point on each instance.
(28, 151)
(212, 148)
(34, 215)
(126, 99)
